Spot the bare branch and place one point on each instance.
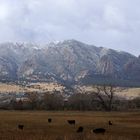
(105, 95)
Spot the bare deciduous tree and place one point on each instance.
(53, 101)
(33, 98)
(105, 95)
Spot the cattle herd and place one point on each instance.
(80, 128)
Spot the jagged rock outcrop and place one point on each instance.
(69, 60)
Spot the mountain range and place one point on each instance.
(69, 61)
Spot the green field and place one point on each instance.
(126, 125)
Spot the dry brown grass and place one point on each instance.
(10, 88)
(126, 125)
(128, 93)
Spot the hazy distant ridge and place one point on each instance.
(69, 60)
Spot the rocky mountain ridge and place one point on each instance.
(66, 61)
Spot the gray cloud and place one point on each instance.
(109, 23)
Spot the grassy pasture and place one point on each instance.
(126, 125)
(11, 88)
(129, 93)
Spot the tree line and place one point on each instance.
(103, 98)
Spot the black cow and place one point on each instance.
(20, 126)
(49, 120)
(80, 129)
(110, 123)
(99, 130)
(72, 122)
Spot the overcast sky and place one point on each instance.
(109, 23)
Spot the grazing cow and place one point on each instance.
(72, 122)
(80, 129)
(99, 131)
(20, 126)
(49, 120)
(110, 123)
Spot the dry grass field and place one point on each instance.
(129, 93)
(126, 125)
(10, 88)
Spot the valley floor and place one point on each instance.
(128, 93)
(126, 125)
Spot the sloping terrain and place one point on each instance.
(69, 61)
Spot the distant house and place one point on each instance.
(23, 99)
